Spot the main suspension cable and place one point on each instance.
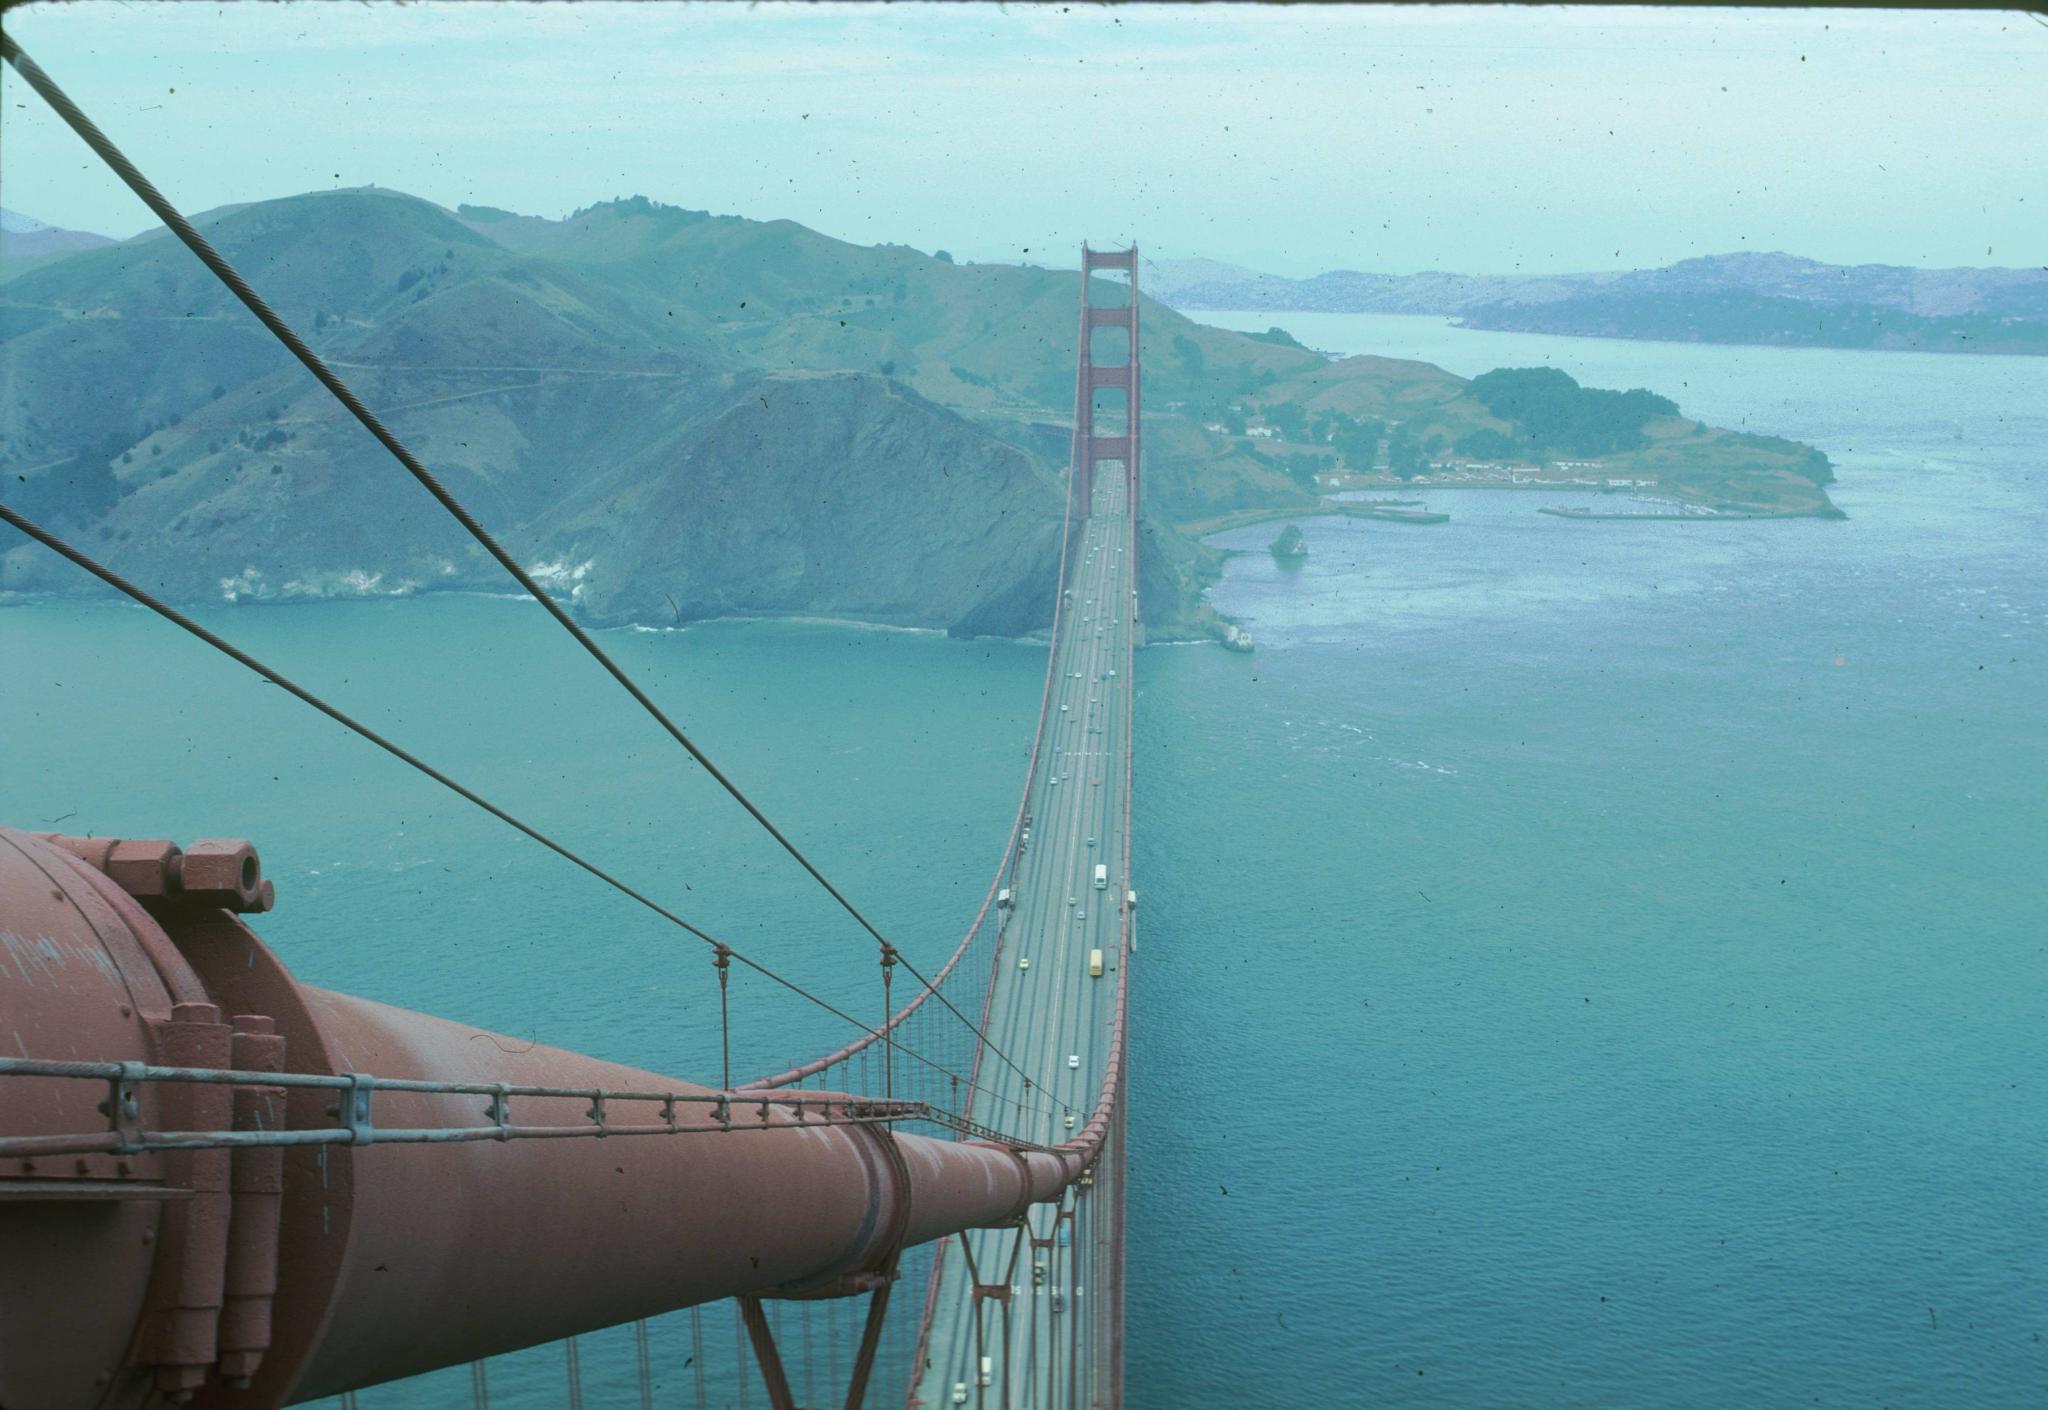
(235, 653)
(186, 232)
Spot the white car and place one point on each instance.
(1024, 962)
(1073, 1059)
(959, 1392)
(1070, 1121)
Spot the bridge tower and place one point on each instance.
(1117, 439)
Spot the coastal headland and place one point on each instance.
(672, 415)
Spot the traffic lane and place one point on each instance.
(1095, 807)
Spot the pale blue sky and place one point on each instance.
(1283, 137)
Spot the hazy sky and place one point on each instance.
(1283, 137)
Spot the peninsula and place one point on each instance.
(676, 415)
(1773, 300)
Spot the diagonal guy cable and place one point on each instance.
(170, 614)
(175, 221)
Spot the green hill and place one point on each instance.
(1743, 316)
(705, 414)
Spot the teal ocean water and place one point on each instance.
(1585, 964)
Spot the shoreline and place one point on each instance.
(1327, 509)
(1205, 529)
(1456, 322)
(17, 599)
(1704, 517)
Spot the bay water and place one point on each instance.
(1583, 963)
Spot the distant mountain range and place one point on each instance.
(25, 238)
(678, 415)
(1772, 299)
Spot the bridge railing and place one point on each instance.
(674, 1113)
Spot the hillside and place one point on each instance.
(1207, 284)
(709, 535)
(1765, 320)
(689, 415)
(1774, 299)
(26, 242)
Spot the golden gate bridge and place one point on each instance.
(222, 1187)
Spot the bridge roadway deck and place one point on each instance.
(1054, 1018)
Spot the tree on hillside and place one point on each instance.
(1488, 444)
(1287, 418)
(1555, 413)
(80, 490)
(1279, 337)
(1357, 442)
(1404, 455)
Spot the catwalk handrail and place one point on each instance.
(726, 1111)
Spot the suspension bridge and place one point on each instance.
(221, 1187)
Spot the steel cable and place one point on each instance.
(175, 221)
(234, 653)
